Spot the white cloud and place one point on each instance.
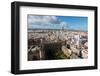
(41, 21)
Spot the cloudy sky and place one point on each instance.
(57, 22)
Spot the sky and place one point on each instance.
(57, 22)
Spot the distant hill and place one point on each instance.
(57, 30)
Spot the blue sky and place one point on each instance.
(57, 22)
